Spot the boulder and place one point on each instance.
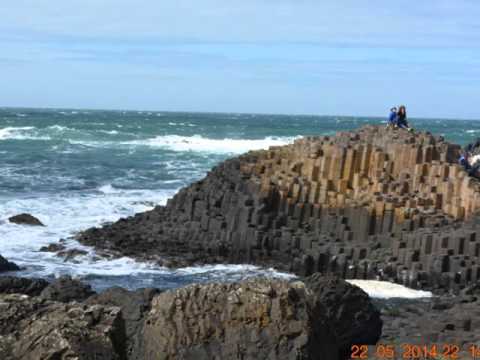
(71, 254)
(35, 329)
(18, 285)
(255, 319)
(348, 310)
(134, 306)
(66, 289)
(6, 265)
(52, 248)
(25, 219)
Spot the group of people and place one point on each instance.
(469, 157)
(471, 161)
(398, 118)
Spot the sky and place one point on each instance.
(328, 57)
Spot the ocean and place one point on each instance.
(74, 169)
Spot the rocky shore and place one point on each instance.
(375, 203)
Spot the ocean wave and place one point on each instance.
(181, 124)
(198, 143)
(21, 133)
(59, 128)
(109, 132)
(107, 189)
(64, 215)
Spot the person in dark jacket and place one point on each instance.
(463, 160)
(402, 118)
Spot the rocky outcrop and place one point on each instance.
(444, 320)
(375, 203)
(258, 319)
(347, 309)
(6, 265)
(66, 289)
(25, 286)
(71, 254)
(134, 306)
(253, 319)
(54, 247)
(35, 329)
(25, 219)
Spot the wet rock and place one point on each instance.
(71, 254)
(6, 265)
(33, 329)
(134, 306)
(255, 319)
(18, 285)
(348, 310)
(66, 289)
(25, 219)
(52, 248)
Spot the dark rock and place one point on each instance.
(6, 265)
(348, 310)
(70, 255)
(255, 319)
(472, 290)
(25, 219)
(52, 248)
(33, 329)
(18, 285)
(445, 320)
(134, 305)
(66, 289)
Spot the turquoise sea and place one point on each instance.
(74, 169)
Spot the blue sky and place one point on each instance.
(343, 57)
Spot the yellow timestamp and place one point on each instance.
(415, 351)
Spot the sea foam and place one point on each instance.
(388, 290)
(199, 143)
(16, 133)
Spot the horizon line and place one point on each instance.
(229, 113)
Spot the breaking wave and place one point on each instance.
(199, 143)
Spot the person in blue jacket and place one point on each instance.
(392, 118)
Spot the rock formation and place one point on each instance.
(66, 289)
(135, 305)
(253, 319)
(348, 310)
(25, 219)
(6, 265)
(24, 286)
(35, 329)
(445, 320)
(258, 319)
(374, 203)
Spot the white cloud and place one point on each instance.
(376, 22)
